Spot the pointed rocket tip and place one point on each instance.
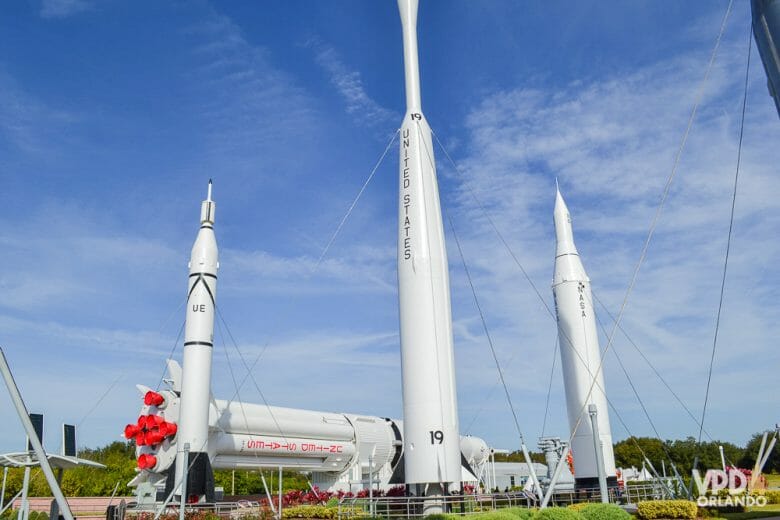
(208, 195)
(559, 202)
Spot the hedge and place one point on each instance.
(310, 512)
(681, 509)
(501, 514)
(604, 512)
(557, 513)
(523, 513)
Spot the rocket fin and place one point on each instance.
(174, 373)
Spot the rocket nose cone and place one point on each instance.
(563, 231)
(560, 204)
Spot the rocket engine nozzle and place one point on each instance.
(153, 398)
(146, 461)
(131, 430)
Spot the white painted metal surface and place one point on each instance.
(431, 436)
(580, 353)
(199, 337)
(258, 419)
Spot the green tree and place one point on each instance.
(249, 482)
(517, 456)
(633, 450)
(748, 459)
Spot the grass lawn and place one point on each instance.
(748, 515)
(772, 481)
(754, 512)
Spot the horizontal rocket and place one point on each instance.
(256, 436)
(431, 435)
(580, 355)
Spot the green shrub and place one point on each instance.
(579, 506)
(437, 516)
(499, 514)
(604, 512)
(652, 509)
(310, 512)
(557, 513)
(772, 495)
(523, 513)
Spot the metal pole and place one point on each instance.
(280, 493)
(24, 416)
(593, 412)
(20, 515)
(722, 458)
(665, 488)
(267, 493)
(531, 469)
(766, 455)
(10, 502)
(493, 464)
(760, 452)
(2, 494)
(680, 482)
(184, 476)
(370, 484)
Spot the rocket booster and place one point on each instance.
(431, 434)
(580, 353)
(198, 346)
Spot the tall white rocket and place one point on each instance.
(580, 354)
(431, 435)
(198, 346)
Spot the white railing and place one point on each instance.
(393, 508)
(412, 507)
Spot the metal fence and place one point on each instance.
(624, 495)
(413, 507)
(235, 510)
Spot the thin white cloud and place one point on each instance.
(251, 109)
(28, 124)
(611, 142)
(62, 8)
(349, 84)
(357, 269)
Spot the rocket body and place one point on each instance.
(431, 434)
(580, 354)
(198, 346)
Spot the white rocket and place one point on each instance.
(431, 435)
(193, 425)
(580, 355)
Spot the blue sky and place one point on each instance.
(114, 115)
